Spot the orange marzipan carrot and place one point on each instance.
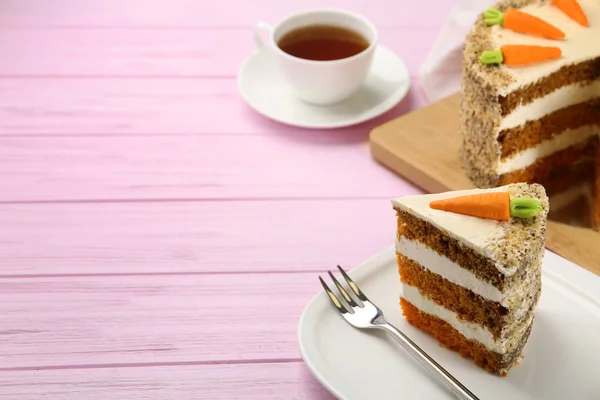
(491, 205)
(573, 10)
(517, 54)
(519, 21)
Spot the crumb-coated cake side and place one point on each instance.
(473, 280)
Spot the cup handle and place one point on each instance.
(257, 31)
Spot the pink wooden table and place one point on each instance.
(159, 239)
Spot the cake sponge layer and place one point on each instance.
(414, 228)
(534, 132)
(541, 170)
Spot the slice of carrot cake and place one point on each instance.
(470, 266)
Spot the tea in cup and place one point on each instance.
(324, 55)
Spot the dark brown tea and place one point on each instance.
(323, 42)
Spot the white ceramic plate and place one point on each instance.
(263, 88)
(561, 358)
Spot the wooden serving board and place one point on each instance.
(423, 147)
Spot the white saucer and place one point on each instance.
(264, 89)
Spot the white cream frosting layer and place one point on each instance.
(542, 106)
(559, 142)
(468, 329)
(472, 231)
(513, 298)
(580, 43)
(447, 269)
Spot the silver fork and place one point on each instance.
(367, 315)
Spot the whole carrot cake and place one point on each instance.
(530, 108)
(470, 266)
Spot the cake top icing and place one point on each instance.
(507, 242)
(580, 43)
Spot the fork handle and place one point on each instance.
(457, 388)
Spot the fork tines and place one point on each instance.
(336, 302)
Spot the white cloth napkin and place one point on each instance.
(440, 74)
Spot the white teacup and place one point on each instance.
(321, 82)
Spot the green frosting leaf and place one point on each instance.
(492, 57)
(493, 17)
(524, 207)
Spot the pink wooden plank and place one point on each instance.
(252, 381)
(174, 237)
(83, 321)
(138, 106)
(169, 13)
(199, 167)
(153, 106)
(158, 53)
